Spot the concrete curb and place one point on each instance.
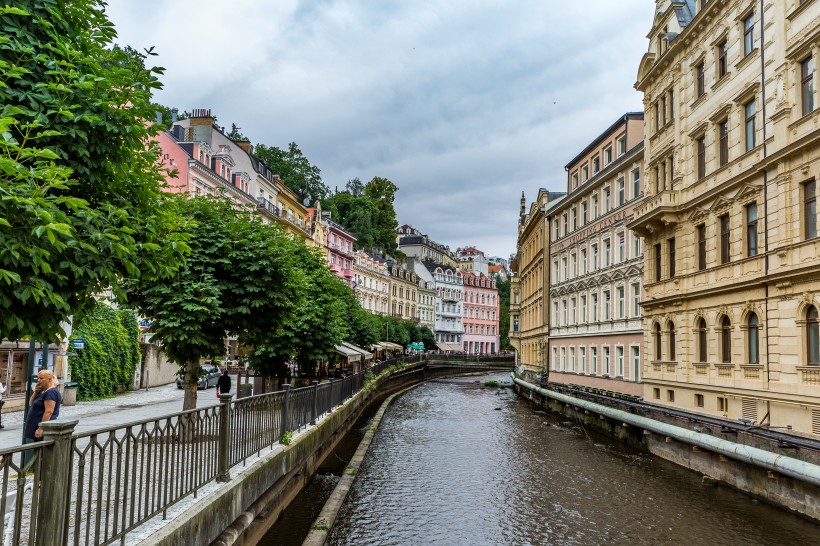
(320, 530)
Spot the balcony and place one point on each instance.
(270, 209)
(656, 213)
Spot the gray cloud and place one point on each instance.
(463, 104)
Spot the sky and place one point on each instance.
(463, 104)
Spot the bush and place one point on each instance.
(111, 355)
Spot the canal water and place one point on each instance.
(455, 462)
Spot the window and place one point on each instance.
(607, 305)
(753, 339)
(699, 400)
(595, 257)
(750, 109)
(657, 117)
(701, 229)
(701, 332)
(807, 85)
(607, 155)
(619, 359)
(636, 183)
(583, 308)
(554, 358)
(751, 229)
(607, 200)
(621, 191)
(671, 105)
(671, 348)
(607, 252)
(621, 145)
(670, 245)
(572, 359)
(812, 336)
(594, 358)
(621, 302)
(722, 58)
(810, 208)
(725, 340)
(723, 404)
(574, 180)
(574, 261)
(636, 300)
(594, 206)
(584, 173)
(724, 239)
(657, 335)
(583, 261)
(583, 362)
(555, 313)
(636, 246)
(606, 360)
(621, 247)
(700, 84)
(583, 213)
(723, 141)
(749, 34)
(656, 393)
(701, 152)
(574, 314)
(658, 258)
(566, 223)
(574, 219)
(670, 395)
(636, 363)
(595, 307)
(596, 164)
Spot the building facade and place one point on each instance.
(730, 216)
(473, 260)
(340, 253)
(371, 283)
(449, 286)
(403, 292)
(426, 308)
(596, 265)
(480, 319)
(415, 244)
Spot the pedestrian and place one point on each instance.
(223, 385)
(2, 392)
(44, 405)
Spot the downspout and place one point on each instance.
(788, 466)
(765, 201)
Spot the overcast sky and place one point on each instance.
(461, 103)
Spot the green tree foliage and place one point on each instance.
(317, 325)
(239, 279)
(503, 312)
(427, 337)
(111, 355)
(80, 199)
(383, 193)
(295, 171)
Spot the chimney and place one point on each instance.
(245, 145)
(174, 114)
(201, 116)
(159, 116)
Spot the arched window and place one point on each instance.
(753, 339)
(813, 336)
(671, 348)
(726, 339)
(657, 328)
(701, 330)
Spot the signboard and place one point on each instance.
(145, 324)
(79, 343)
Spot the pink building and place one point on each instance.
(480, 314)
(340, 253)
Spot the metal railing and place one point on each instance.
(100, 485)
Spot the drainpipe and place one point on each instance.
(765, 199)
(787, 466)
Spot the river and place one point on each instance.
(455, 462)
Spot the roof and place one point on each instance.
(496, 268)
(350, 354)
(366, 354)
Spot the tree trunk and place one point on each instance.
(191, 379)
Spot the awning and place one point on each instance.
(388, 346)
(366, 354)
(416, 346)
(350, 354)
(449, 347)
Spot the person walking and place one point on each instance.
(44, 405)
(223, 384)
(2, 392)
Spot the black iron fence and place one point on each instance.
(103, 484)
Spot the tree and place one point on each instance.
(503, 312)
(239, 279)
(295, 171)
(80, 199)
(317, 325)
(355, 187)
(428, 338)
(383, 192)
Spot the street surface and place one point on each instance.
(124, 408)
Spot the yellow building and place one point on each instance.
(371, 283)
(732, 154)
(291, 214)
(403, 288)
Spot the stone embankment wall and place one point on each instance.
(155, 370)
(796, 495)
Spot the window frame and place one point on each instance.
(748, 34)
(723, 142)
(753, 338)
(810, 209)
(700, 79)
(701, 238)
(703, 347)
(807, 85)
(725, 340)
(700, 143)
(722, 61)
(749, 125)
(725, 239)
(752, 248)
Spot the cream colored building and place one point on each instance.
(596, 265)
(426, 309)
(403, 287)
(372, 283)
(732, 150)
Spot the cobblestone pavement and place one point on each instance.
(124, 408)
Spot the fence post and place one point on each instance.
(315, 402)
(55, 475)
(285, 420)
(224, 455)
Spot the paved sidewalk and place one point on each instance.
(124, 408)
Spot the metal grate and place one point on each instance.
(749, 409)
(815, 421)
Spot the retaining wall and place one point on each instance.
(770, 486)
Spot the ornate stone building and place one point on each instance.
(402, 291)
(371, 283)
(732, 258)
(596, 265)
(480, 314)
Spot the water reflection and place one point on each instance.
(455, 462)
